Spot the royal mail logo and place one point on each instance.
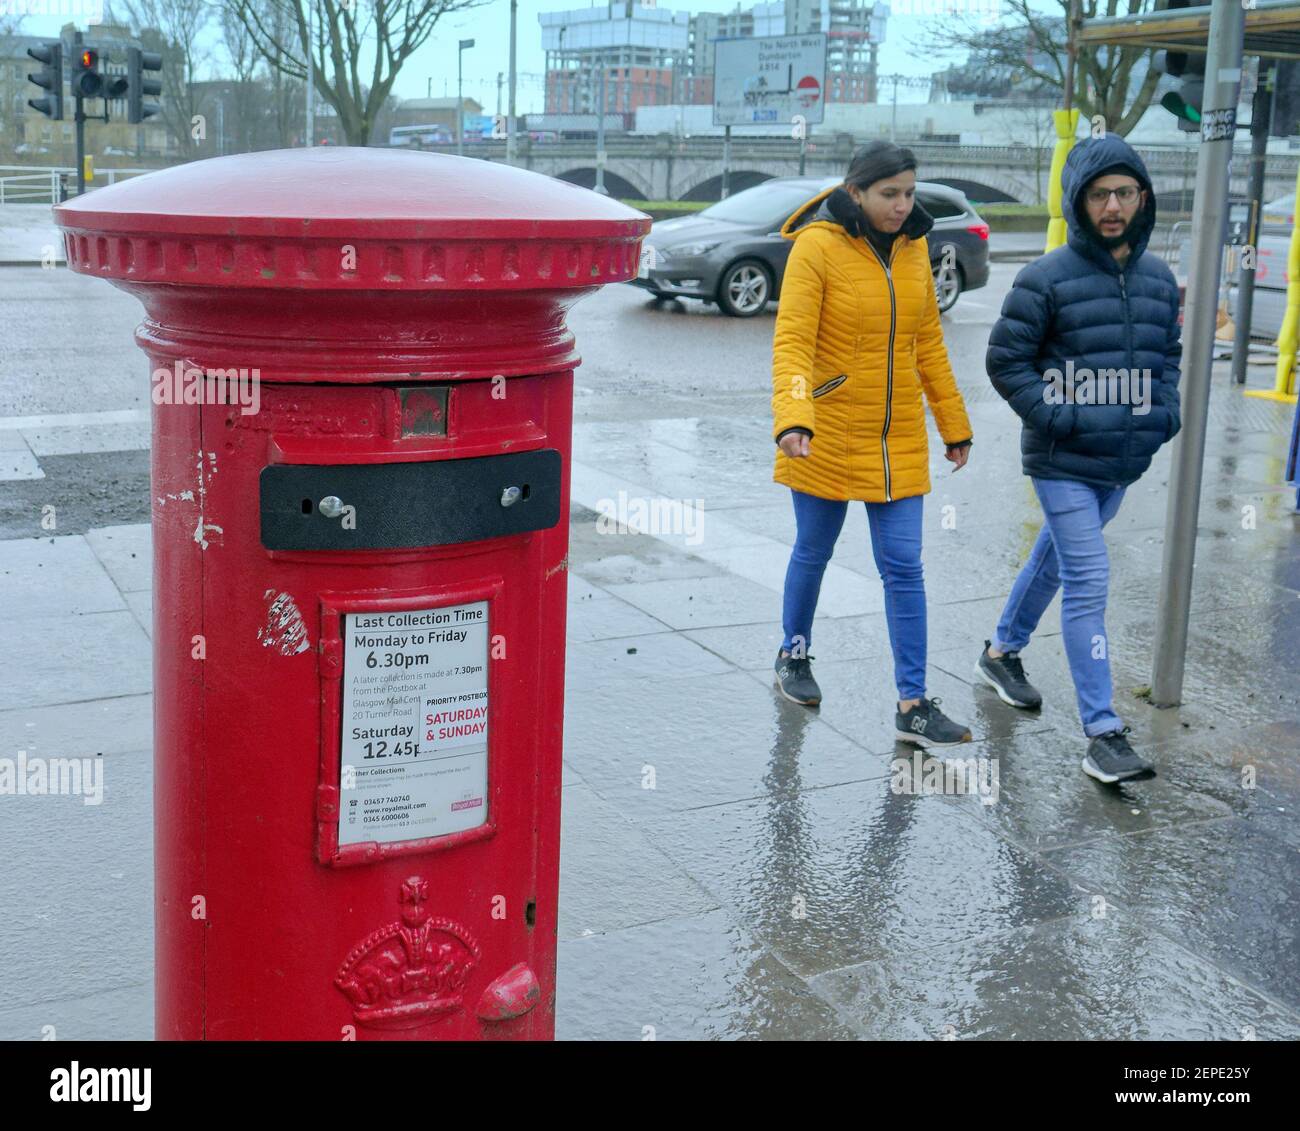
(410, 972)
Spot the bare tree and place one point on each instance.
(173, 28)
(241, 52)
(13, 81)
(1032, 43)
(357, 47)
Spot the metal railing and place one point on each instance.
(37, 184)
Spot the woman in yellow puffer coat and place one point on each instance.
(858, 340)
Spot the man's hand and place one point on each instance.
(957, 454)
(796, 444)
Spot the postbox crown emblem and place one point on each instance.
(412, 971)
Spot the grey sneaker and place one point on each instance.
(1006, 675)
(926, 725)
(1110, 758)
(794, 680)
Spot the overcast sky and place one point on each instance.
(433, 67)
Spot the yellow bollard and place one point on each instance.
(1066, 121)
(1286, 338)
(1284, 387)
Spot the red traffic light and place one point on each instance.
(89, 59)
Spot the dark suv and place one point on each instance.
(733, 253)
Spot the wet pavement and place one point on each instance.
(735, 865)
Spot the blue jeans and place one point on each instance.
(1070, 551)
(896, 546)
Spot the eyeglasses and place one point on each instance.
(1125, 193)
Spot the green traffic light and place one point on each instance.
(1179, 107)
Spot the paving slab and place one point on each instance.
(1076, 979)
(697, 978)
(52, 577)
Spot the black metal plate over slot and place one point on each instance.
(401, 505)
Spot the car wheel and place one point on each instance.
(947, 286)
(745, 288)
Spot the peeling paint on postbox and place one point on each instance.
(413, 753)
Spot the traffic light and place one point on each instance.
(1285, 121)
(86, 79)
(137, 63)
(1185, 102)
(50, 56)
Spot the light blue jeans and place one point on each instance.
(1070, 552)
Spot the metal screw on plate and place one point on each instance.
(510, 496)
(331, 506)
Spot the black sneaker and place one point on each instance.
(794, 679)
(1006, 675)
(1110, 758)
(926, 725)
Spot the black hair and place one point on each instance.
(876, 161)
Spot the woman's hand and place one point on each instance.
(796, 444)
(957, 454)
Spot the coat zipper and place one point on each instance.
(889, 364)
(1128, 345)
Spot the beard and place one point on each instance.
(1112, 242)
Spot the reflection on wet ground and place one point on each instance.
(738, 866)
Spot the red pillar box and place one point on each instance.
(362, 384)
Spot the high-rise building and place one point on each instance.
(652, 56)
(641, 49)
(854, 29)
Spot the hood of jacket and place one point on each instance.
(1085, 162)
(834, 208)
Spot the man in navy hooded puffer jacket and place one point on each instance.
(1087, 352)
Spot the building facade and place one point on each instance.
(654, 57)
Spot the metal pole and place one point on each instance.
(1222, 83)
(460, 101)
(803, 150)
(510, 112)
(79, 116)
(311, 73)
(1260, 109)
(726, 161)
(893, 116)
(1071, 50)
(600, 135)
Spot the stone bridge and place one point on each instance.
(668, 168)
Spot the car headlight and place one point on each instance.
(690, 249)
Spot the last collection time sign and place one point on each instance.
(413, 749)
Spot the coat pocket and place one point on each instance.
(830, 386)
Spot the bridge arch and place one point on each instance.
(621, 183)
(987, 186)
(710, 189)
(976, 191)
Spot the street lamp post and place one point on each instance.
(311, 68)
(510, 111)
(600, 136)
(460, 97)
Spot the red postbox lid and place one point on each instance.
(330, 218)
